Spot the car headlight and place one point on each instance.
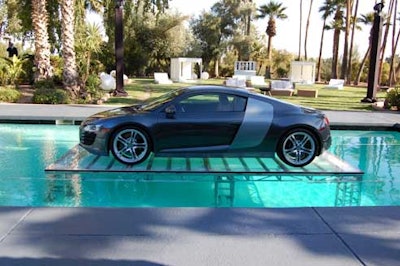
(92, 128)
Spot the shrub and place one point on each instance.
(27, 75)
(11, 69)
(45, 84)
(46, 92)
(57, 64)
(393, 98)
(93, 86)
(9, 94)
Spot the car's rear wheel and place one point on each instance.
(298, 147)
(130, 145)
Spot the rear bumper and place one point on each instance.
(326, 144)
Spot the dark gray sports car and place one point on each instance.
(208, 121)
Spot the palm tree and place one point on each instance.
(88, 43)
(81, 7)
(70, 73)
(385, 36)
(73, 14)
(301, 29)
(44, 70)
(273, 11)
(327, 10)
(368, 20)
(343, 73)
(247, 9)
(395, 42)
(354, 23)
(307, 26)
(337, 27)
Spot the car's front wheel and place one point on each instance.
(130, 145)
(298, 147)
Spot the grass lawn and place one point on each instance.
(346, 99)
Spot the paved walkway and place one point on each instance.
(197, 236)
(200, 236)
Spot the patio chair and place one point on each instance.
(161, 78)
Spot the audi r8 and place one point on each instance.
(208, 121)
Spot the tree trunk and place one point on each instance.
(248, 21)
(335, 54)
(269, 49)
(216, 67)
(307, 27)
(301, 29)
(394, 71)
(395, 41)
(349, 68)
(44, 70)
(336, 39)
(385, 37)
(343, 72)
(320, 51)
(362, 66)
(70, 73)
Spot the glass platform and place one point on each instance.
(223, 172)
(78, 160)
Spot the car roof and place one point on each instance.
(237, 91)
(217, 88)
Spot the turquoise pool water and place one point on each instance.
(26, 150)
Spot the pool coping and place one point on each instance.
(74, 114)
(214, 236)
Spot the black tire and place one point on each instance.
(298, 147)
(130, 145)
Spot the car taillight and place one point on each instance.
(326, 120)
(325, 124)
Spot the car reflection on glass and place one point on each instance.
(207, 121)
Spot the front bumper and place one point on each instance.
(94, 142)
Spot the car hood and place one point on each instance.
(112, 113)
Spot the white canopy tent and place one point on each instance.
(183, 69)
(302, 72)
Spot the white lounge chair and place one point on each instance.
(336, 84)
(235, 82)
(161, 78)
(258, 81)
(281, 87)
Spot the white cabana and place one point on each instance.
(302, 72)
(183, 69)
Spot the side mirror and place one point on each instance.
(170, 111)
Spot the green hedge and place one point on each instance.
(46, 92)
(393, 98)
(50, 96)
(10, 95)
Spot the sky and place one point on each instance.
(287, 37)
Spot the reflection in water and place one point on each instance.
(65, 191)
(377, 153)
(23, 182)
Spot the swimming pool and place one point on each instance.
(26, 150)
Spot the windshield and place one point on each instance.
(161, 100)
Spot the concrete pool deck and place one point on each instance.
(197, 236)
(77, 113)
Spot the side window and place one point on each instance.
(214, 102)
(239, 104)
(200, 103)
(231, 103)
